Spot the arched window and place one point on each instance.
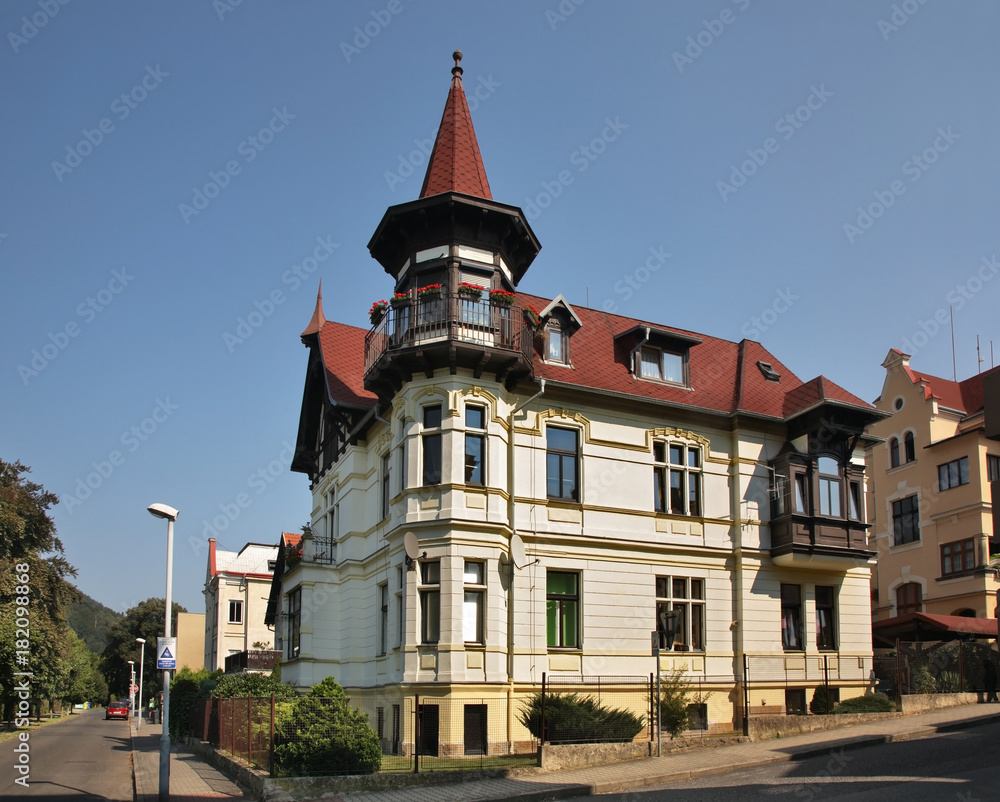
(908, 598)
(909, 448)
(893, 452)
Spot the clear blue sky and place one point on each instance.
(738, 137)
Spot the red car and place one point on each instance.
(117, 709)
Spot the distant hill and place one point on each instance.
(90, 620)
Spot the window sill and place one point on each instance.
(565, 649)
(564, 502)
(475, 647)
(913, 544)
(664, 382)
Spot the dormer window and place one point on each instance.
(662, 364)
(556, 342)
(660, 354)
(559, 323)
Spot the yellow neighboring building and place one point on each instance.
(191, 641)
(931, 493)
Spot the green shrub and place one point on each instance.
(948, 682)
(250, 684)
(921, 680)
(675, 702)
(573, 719)
(818, 704)
(185, 687)
(872, 703)
(322, 734)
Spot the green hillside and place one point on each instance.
(90, 620)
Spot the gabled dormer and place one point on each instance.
(455, 256)
(558, 323)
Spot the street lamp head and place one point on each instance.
(131, 662)
(163, 511)
(140, 640)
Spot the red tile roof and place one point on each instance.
(724, 375)
(965, 396)
(317, 319)
(456, 165)
(342, 349)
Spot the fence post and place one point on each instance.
(826, 681)
(746, 694)
(652, 707)
(270, 748)
(416, 736)
(232, 726)
(249, 730)
(541, 731)
(961, 668)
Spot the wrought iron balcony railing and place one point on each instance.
(446, 317)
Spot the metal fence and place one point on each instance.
(937, 667)
(372, 732)
(795, 674)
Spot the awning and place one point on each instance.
(929, 627)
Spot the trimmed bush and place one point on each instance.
(250, 684)
(575, 719)
(818, 704)
(322, 734)
(872, 703)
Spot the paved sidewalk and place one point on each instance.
(191, 778)
(697, 762)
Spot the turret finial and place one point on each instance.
(457, 70)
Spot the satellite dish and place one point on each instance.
(411, 546)
(517, 554)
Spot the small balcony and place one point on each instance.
(448, 330)
(820, 543)
(256, 660)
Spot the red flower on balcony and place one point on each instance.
(430, 291)
(502, 297)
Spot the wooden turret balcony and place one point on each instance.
(455, 331)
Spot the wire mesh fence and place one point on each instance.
(378, 732)
(585, 709)
(938, 667)
(795, 675)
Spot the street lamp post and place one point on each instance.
(142, 665)
(131, 685)
(170, 514)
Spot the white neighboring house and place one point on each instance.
(236, 590)
(644, 468)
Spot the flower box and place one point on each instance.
(377, 312)
(430, 292)
(532, 317)
(399, 299)
(502, 297)
(466, 290)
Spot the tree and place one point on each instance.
(82, 681)
(145, 620)
(34, 590)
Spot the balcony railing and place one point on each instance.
(252, 660)
(424, 321)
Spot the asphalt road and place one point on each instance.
(84, 757)
(958, 766)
